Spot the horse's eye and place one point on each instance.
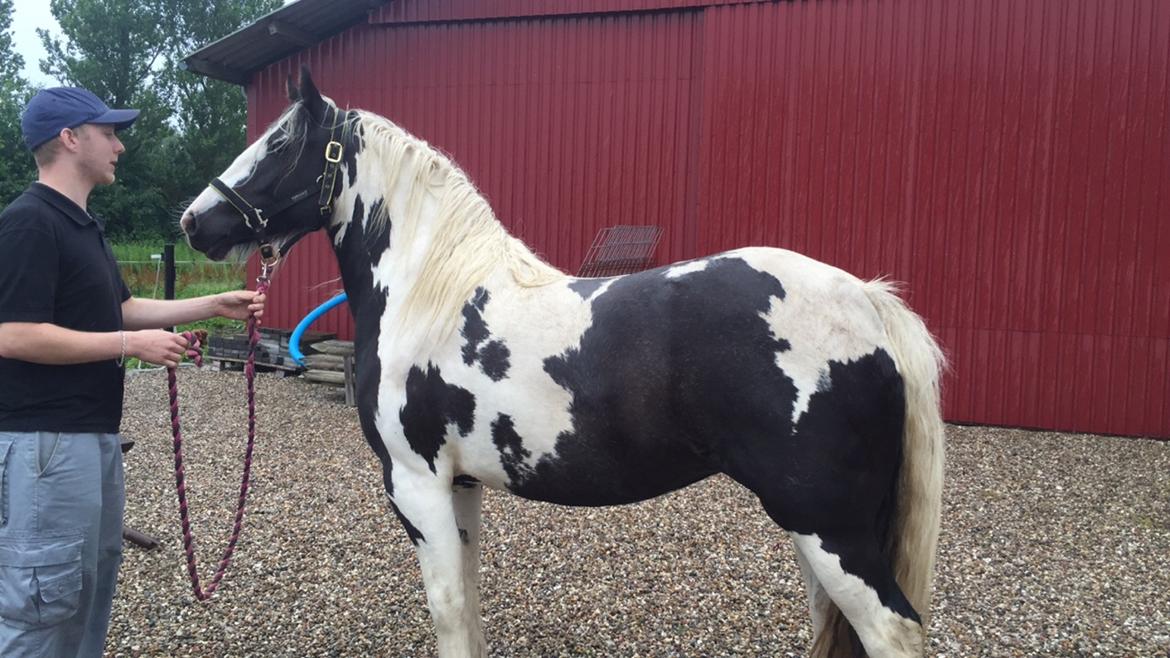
(278, 140)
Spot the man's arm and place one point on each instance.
(138, 313)
(48, 344)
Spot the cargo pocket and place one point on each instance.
(5, 448)
(40, 580)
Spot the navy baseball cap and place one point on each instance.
(54, 109)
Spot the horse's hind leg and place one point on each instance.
(854, 574)
(434, 515)
(819, 603)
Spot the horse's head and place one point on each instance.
(281, 187)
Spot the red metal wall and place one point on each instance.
(1008, 159)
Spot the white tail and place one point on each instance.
(913, 535)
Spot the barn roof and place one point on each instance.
(287, 30)
(301, 24)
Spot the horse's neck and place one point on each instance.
(441, 241)
(392, 257)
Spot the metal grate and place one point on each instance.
(621, 250)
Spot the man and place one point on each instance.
(67, 323)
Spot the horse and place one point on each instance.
(478, 365)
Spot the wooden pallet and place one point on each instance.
(272, 350)
(331, 362)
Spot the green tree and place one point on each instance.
(112, 48)
(127, 51)
(212, 114)
(16, 164)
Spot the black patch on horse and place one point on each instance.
(377, 240)
(367, 304)
(411, 531)
(493, 356)
(836, 470)
(513, 456)
(357, 143)
(474, 330)
(357, 218)
(431, 405)
(857, 410)
(494, 360)
(666, 361)
(464, 482)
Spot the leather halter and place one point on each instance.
(256, 218)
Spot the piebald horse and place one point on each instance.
(478, 364)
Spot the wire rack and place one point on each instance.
(621, 250)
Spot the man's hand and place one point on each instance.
(162, 348)
(239, 304)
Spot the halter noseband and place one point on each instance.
(256, 218)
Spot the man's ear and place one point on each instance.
(69, 138)
(311, 97)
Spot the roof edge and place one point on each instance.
(274, 36)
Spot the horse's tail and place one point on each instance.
(913, 531)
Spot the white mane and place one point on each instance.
(468, 243)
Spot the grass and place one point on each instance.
(195, 276)
(140, 252)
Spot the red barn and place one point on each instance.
(1008, 159)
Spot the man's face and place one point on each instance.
(98, 153)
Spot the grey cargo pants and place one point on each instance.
(61, 501)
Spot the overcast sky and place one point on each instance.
(28, 15)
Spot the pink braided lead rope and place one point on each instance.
(195, 340)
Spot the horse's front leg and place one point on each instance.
(468, 497)
(442, 521)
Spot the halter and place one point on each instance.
(256, 218)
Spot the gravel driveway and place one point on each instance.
(1052, 545)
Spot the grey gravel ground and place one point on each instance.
(1052, 545)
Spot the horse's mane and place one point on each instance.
(467, 242)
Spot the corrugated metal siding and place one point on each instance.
(593, 115)
(415, 11)
(1007, 159)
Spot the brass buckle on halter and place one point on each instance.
(333, 152)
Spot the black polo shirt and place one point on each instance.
(56, 267)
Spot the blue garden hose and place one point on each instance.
(294, 341)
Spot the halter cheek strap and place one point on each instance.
(334, 151)
(256, 219)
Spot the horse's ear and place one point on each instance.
(311, 97)
(294, 94)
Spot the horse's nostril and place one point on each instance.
(187, 222)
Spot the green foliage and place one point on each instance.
(128, 53)
(142, 251)
(214, 113)
(195, 276)
(16, 164)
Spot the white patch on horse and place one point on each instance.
(240, 170)
(882, 631)
(686, 268)
(542, 413)
(369, 186)
(404, 345)
(539, 416)
(824, 316)
(601, 290)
